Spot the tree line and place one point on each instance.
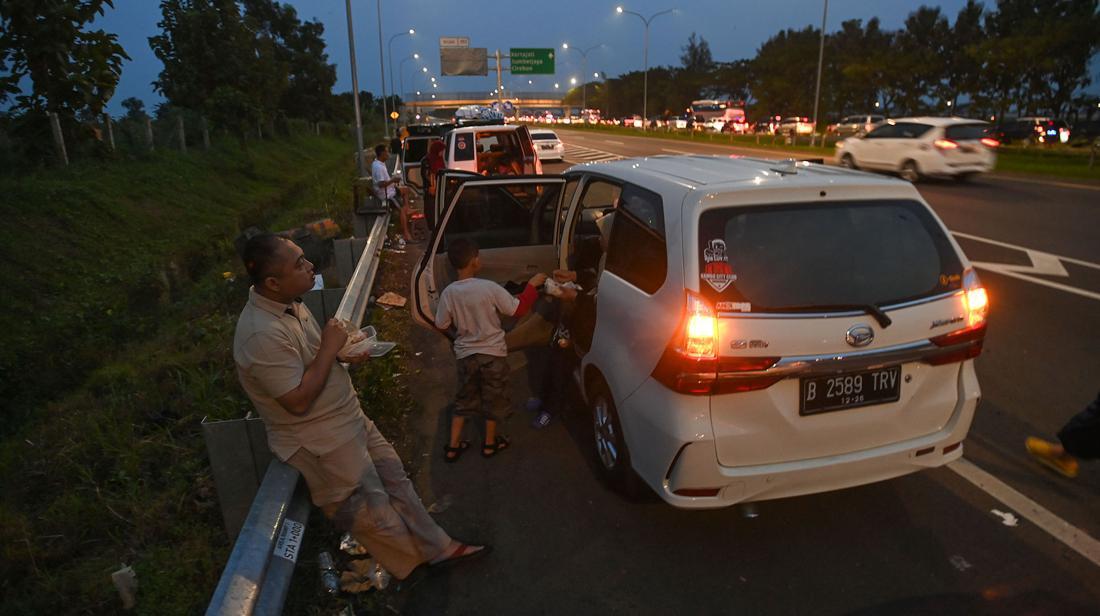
(239, 66)
(1019, 57)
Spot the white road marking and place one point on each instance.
(676, 151)
(1042, 263)
(613, 142)
(577, 153)
(1073, 537)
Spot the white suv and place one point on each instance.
(759, 329)
(918, 147)
(481, 148)
(547, 144)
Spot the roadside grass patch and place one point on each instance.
(113, 469)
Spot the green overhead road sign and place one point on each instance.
(532, 61)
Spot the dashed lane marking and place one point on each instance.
(613, 142)
(1073, 537)
(582, 154)
(676, 151)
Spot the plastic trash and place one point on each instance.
(389, 298)
(330, 577)
(350, 546)
(125, 581)
(363, 575)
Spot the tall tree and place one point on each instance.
(72, 70)
(784, 74)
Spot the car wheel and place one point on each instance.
(909, 171)
(848, 161)
(964, 178)
(612, 456)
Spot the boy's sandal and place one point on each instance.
(452, 454)
(500, 444)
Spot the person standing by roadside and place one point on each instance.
(1079, 439)
(387, 190)
(474, 307)
(430, 167)
(288, 367)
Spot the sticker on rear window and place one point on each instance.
(733, 307)
(717, 271)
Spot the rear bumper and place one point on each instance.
(672, 447)
(946, 168)
(555, 154)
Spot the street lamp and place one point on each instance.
(355, 94)
(573, 81)
(584, 68)
(645, 54)
(389, 48)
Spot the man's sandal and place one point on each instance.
(489, 450)
(452, 454)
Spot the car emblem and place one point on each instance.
(859, 335)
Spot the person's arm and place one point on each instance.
(529, 295)
(443, 320)
(299, 400)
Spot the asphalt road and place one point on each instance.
(922, 544)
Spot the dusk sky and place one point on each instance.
(733, 29)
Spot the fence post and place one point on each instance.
(183, 134)
(205, 135)
(110, 131)
(58, 139)
(149, 132)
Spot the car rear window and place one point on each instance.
(543, 136)
(767, 259)
(416, 149)
(965, 132)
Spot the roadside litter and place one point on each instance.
(364, 574)
(392, 300)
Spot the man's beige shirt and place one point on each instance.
(273, 345)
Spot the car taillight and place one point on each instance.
(968, 341)
(990, 142)
(945, 144)
(690, 363)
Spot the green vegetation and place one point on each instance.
(127, 319)
(1052, 161)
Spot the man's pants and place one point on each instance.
(1081, 435)
(362, 487)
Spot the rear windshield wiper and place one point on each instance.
(871, 309)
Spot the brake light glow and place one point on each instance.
(945, 144)
(990, 142)
(690, 363)
(966, 342)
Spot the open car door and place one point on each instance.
(514, 222)
(413, 150)
(527, 145)
(449, 180)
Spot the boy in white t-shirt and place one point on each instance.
(474, 307)
(388, 190)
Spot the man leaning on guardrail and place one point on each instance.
(287, 365)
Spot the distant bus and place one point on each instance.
(729, 112)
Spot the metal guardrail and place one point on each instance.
(257, 575)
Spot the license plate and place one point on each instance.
(548, 147)
(821, 394)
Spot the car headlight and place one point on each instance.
(839, 145)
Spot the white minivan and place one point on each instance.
(759, 329)
(915, 148)
(481, 148)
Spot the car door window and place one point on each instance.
(599, 196)
(911, 130)
(503, 215)
(886, 131)
(636, 251)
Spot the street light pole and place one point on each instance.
(584, 70)
(389, 48)
(382, 70)
(401, 71)
(355, 94)
(820, 58)
(645, 56)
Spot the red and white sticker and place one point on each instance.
(717, 271)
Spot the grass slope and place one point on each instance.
(125, 323)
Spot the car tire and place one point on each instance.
(848, 161)
(965, 178)
(909, 171)
(612, 455)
